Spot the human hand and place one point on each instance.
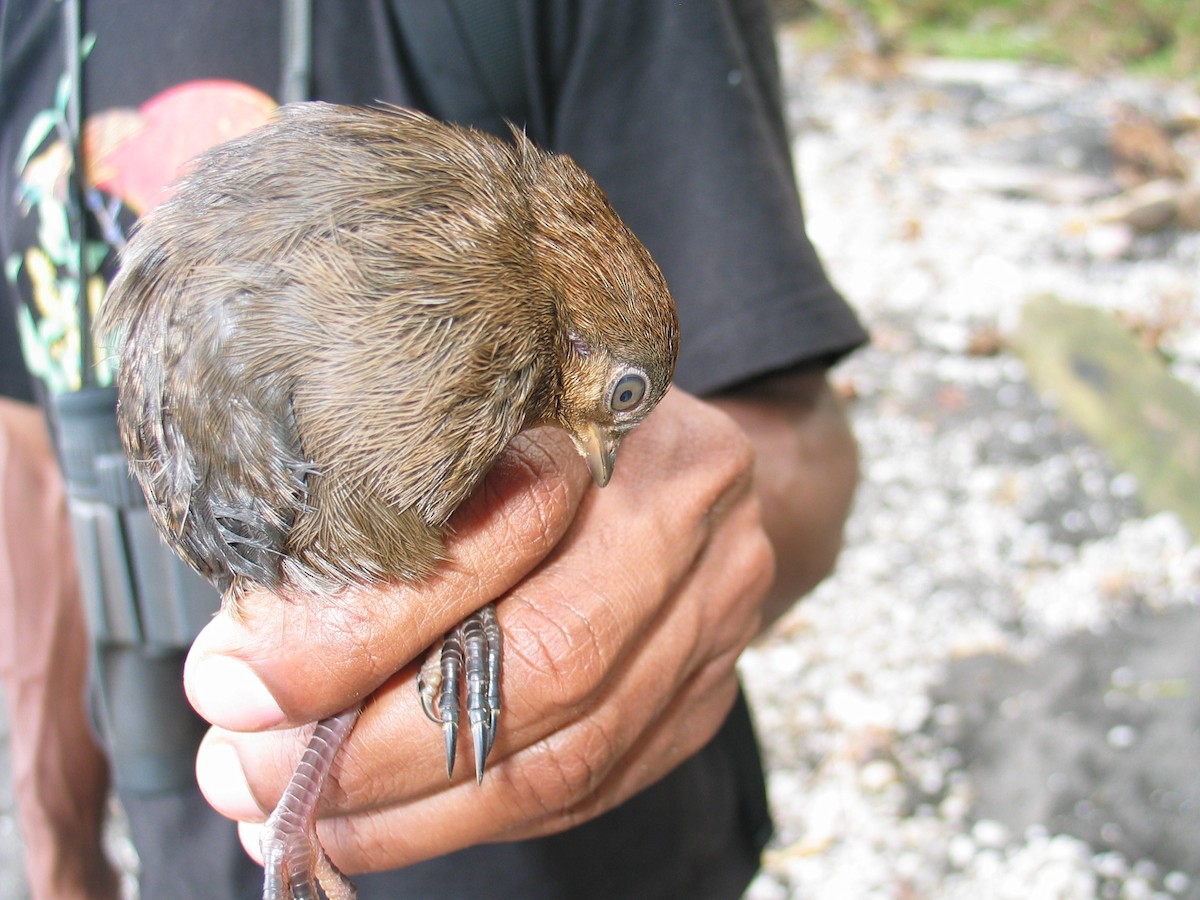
(624, 611)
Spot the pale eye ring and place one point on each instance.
(628, 392)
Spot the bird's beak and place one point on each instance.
(598, 446)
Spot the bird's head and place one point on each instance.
(603, 397)
(618, 329)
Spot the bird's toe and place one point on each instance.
(471, 652)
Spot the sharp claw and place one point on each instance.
(469, 662)
(450, 729)
(479, 738)
(491, 630)
(493, 721)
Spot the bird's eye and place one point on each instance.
(628, 392)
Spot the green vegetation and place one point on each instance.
(1159, 37)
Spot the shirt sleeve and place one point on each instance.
(676, 110)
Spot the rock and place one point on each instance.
(1152, 206)
(877, 775)
(990, 833)
(1146, 147)
(1109, 241)
(1121, 395)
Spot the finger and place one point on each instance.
(569, 625)
(299, 659)
(563, 636)
(563, 737)
(468, 814)
(681, 731)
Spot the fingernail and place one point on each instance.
(223, 782)
(228, 693)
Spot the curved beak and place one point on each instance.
(598, 446)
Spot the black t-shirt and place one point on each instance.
(674, 108)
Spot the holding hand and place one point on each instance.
(624, 612)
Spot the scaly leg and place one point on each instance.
(293, 860)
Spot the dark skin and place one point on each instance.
(59, 774)
(616, 674)
(799, 429)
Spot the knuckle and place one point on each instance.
(360, 843)
(570, 767)
(747, 572)
(736, 446)
(730, 471)
(749, 560)
(758, 563)
(559, 646)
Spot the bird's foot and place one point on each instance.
(303, 851)
(473, 649)
(294, 862)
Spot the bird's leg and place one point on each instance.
(293, 861)
(491, 631)
(438, 685)
(474, 648)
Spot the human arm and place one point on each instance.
(60, 775)
(620, 642)
(806, 469)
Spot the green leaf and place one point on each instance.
(86, 44)
(50, 330)
(54, 232)
(97, 252)
(37, 357)
(62, 93)
(12, 267)
(39, 129)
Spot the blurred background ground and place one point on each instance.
(996, 695)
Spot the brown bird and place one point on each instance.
(330, 332)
